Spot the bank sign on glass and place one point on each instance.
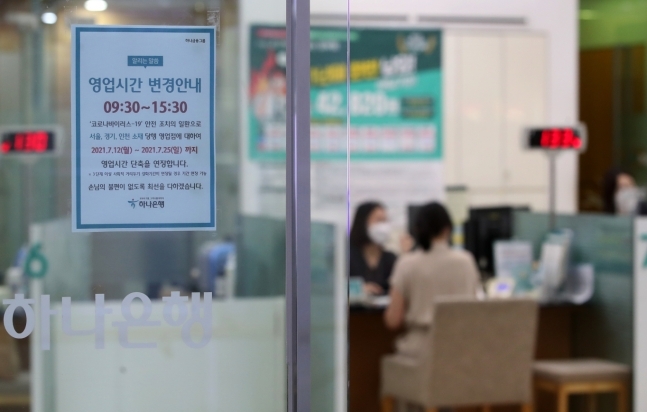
(143, 128)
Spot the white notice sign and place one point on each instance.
(143, 128)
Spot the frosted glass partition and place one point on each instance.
(69, 259)
(260, 258)
(604, 326)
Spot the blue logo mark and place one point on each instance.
(132, 203)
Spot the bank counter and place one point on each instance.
(601, 328)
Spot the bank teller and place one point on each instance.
(434, 269)
(620, 194)
(368, 258)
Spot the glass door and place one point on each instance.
(396, 166)
(171, 238)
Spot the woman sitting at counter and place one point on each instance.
(434, 269)
(368, 258)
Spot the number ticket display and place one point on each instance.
(143, 128)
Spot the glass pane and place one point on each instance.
(242, 263)
(396, 162)
(329, 157)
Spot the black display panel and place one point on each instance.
(563, 138)
(29, 142)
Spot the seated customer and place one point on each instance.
(368, 259)
(434, 269)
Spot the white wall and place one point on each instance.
(557, 19)
(10, 90)
(495, 85)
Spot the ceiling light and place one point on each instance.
(48, 18)
(95, 5)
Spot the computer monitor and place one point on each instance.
(483, 228)
(641, 210)
(412, 215)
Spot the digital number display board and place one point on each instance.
(556, 138)
(27, 142)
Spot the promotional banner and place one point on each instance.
(395, 98)
(143, 128)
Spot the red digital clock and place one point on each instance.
(556, 138)
(27, 142)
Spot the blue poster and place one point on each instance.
(143, 128)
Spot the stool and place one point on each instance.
(582, 377)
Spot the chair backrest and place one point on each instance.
(481, 352)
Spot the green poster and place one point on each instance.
(395, 97)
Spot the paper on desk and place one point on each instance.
(553, 265)
(579, 285)
(381, 301)
(356, 289)
(512, 256)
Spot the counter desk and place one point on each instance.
(369, 340)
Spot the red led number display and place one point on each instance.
(555, 139)
(27, 142)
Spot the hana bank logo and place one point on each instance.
(133, 203)
(417, 43)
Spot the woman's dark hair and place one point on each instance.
(431, 221)
(609, 188)
(358, 232)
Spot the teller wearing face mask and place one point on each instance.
(368, 258)
(621, 195)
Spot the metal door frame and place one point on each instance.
(297, 290)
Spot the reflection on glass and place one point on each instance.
(196, 354)
(167, 320)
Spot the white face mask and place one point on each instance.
(627, 199)
(379, 233)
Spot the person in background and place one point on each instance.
(368, 258)
(433, 269)
(621, 196)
